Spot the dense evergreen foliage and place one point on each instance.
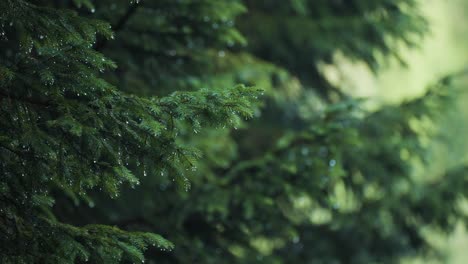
(204, 131)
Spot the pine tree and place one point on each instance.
(123, 131)
(67, 130)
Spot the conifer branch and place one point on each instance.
(22, 99)
(100, 45)
(17, 153)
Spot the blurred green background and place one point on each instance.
(444, 51)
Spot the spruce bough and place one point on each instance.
(124, 138)
(67, 130)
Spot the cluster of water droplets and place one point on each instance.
(3, 35)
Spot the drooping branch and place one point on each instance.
(100, 45)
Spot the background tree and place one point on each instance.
(141, 93)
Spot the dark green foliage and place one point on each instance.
(65, 130)
(123, 120)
